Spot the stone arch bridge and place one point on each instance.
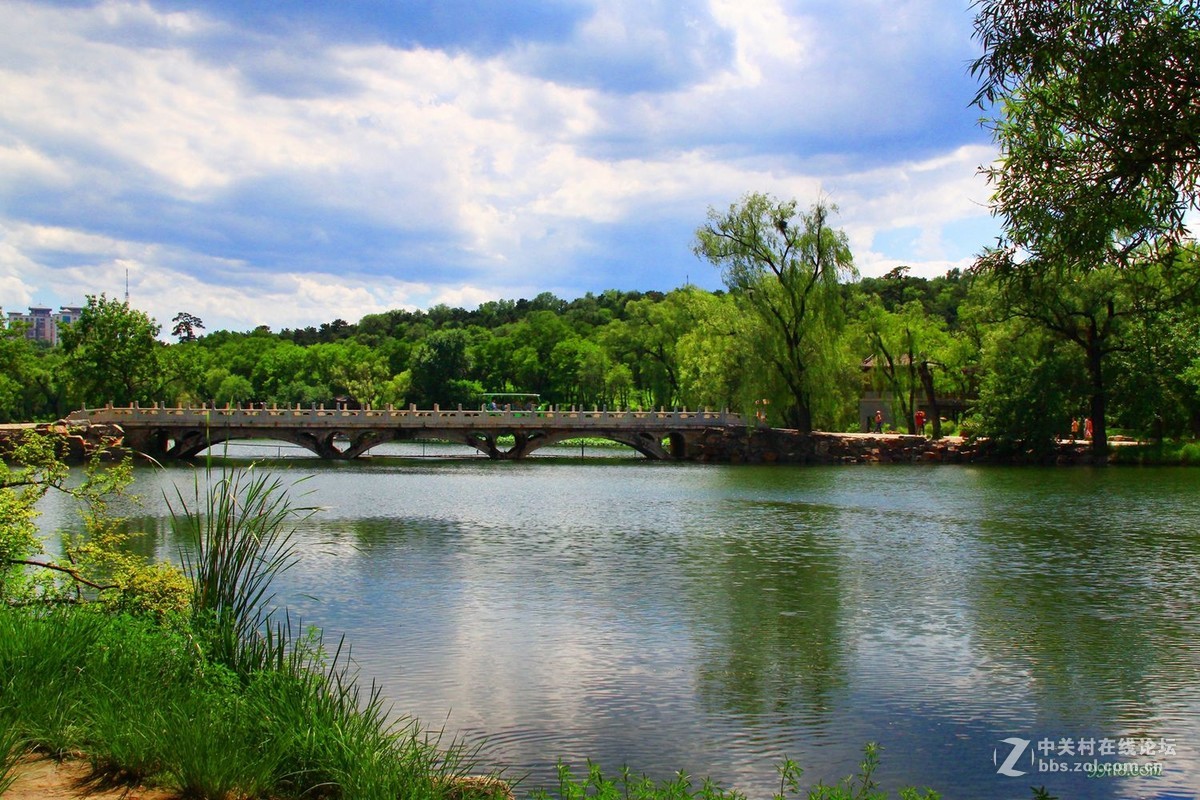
(169, 433)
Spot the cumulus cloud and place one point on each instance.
(335, 174)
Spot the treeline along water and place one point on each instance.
(716, 619)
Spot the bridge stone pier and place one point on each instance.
(169, 433)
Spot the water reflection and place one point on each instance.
(769, 596)
(715, 619)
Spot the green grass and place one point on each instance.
(11, 749)
(143, 702)
(595, 786)
(1158, 454)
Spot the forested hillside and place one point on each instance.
(958, 335)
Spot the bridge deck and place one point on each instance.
(403, 418)
(346, 433)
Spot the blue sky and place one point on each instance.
(285, 164)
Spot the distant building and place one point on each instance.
(43, 324)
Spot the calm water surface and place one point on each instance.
(716, 619)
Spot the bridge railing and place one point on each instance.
(274, 416)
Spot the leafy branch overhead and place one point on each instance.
(95, 565)
(1097, 114)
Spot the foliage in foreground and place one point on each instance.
(94, 566)
(224, 701)
(142, 701)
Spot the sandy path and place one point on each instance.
(42, 778)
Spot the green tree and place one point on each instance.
(1096, 311)
(786, 266)
(186, 326)
(111, 353)
(234, 390)
(18, 363)
(97, 566)
(909, 349)
(531, 344)
(439, 370)
(648, 340)
(1154, 387)
(45, 389)
(1098, 124)
(1029, 391)
(280, 371)
(618, 384)
(354, 369)
(719, 366)
(181, 377)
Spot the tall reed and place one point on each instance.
(11, 742)
(301, 710)
(241, 525)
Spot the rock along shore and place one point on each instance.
(782, 446)
(77, 441)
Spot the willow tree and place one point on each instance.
(785, 265)
(907, 346)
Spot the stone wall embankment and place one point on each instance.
(778, 446)
(77, 441)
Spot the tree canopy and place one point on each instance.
(1098, 121)
(787, 266)
(111, 353)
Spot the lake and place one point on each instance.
(717, 619)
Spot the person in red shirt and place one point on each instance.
(919, 418)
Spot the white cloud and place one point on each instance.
(135, 143)
(100, 265)
(926, 195)
(766, 38)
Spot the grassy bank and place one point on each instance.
(143, 701)
(1167, 454)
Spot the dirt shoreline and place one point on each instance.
(44, 778)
